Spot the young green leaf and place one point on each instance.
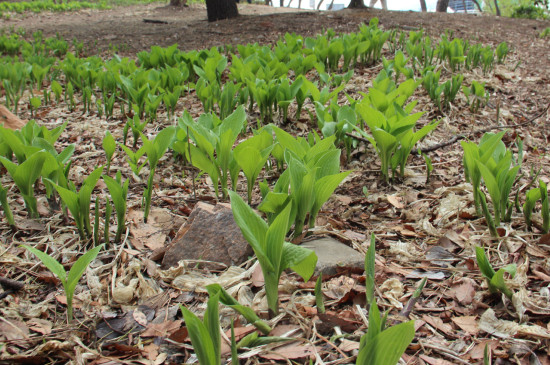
(70, 280)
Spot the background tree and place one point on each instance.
(356, 4)
(423, 6)
(442, 6)
(221, 9)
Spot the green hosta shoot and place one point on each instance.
(382, 345)
(432, 86)
(133, 158)
(429, 166)
(499, 177)
(392, 135)
(251, 155)
(499, 173)
(34, 103)
(246, 312)
(25, 175)
(502, 51)
(488, 218)
(268, 242)
(109, 146)
(533, 195)
(6, 208)
(108, 211)
(495, 280)
(286, 93)
(137, 128)
(171, 100)
(319, 301)
(370, 270)
(489, 145)
(312, 175)
(476, 95)
(154, 150)
(253, 340)
(57, 90)
(214, 140)
(337, 121)
(68, 280)
(205, 335)
(451, 88)
(119, 195)
(79, 202)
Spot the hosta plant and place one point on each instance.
(251, 155)
(119, 194)
(68, 280)
(212, 151)
(246, 312)
(495, 280)
(383, 345)
(6, 208)
(79, 202)
(205, 335)
(312, 175)
(531, 198)
(155, 149)
(268, 242)
(495, 165)
(25, 175)
(109, 146)
(482, 152)
(392, 135)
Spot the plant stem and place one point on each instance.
(148, 193)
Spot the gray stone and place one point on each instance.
(210, 234)
(332, 254)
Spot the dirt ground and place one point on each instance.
(125, 29)
(408, 218)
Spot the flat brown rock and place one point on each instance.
(10, 120)
(210, 234)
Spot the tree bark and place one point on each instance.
(356, 4)
(497, 8)
(423, 6)
(175, 2)
(441, 6)
(221, 9)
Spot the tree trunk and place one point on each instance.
(281, 3)
(478, 6)
(221, 9)
(423, 6)
(319, 6)
(175, 2)
(497, 8)
(356, 4)
(441, 6)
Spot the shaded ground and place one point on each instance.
(421, 229)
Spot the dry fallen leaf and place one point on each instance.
(506, 329)
(396, 201)
(467, 323)
(164, 329)
(290, 352)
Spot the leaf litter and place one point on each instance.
(128, 308)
